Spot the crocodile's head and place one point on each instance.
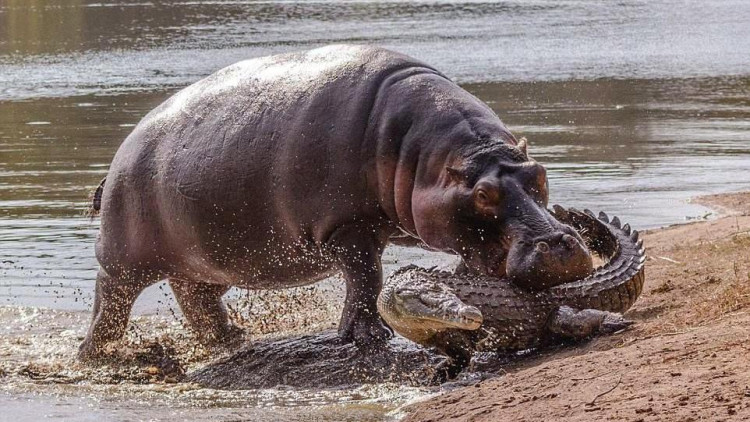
(420, 309)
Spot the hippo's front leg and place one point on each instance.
(358, 250)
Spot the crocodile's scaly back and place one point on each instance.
(615, 286)
(512, 316)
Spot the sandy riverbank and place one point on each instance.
(687, 358)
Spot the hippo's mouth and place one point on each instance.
(537, 261)
(490, 260)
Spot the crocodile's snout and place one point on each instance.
(468, 318)
(424, 309)
(442, 306)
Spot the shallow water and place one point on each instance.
(634, 107)
(39, 376)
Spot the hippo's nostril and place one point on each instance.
(570, 241)
(542, 247)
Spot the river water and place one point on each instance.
(633, 106)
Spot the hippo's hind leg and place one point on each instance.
(358, 255)
(205, 312)
(113, 301)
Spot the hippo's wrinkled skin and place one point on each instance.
(278, 171)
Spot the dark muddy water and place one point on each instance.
(634, 107)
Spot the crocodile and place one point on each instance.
(459, 313)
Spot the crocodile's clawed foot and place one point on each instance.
(447, 370)
(579, 324)
(613, 323)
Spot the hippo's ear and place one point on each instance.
(523, 145)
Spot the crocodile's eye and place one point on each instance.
(406, 292)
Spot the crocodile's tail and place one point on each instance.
(96, 200)
(616, 285)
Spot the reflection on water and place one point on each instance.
(50, 48)
(637, 148)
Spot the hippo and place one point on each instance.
(281, 171)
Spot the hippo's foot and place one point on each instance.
(112, 304)
(88, 352)
(206, 314)
(368, 334)
(229, 339)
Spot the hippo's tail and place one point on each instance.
(96, 200)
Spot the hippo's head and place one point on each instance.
(491, 208)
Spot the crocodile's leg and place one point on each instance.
(578, 324)
(455, 344)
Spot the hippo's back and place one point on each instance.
(271, 144)
(278, 83)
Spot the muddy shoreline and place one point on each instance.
(685, 359)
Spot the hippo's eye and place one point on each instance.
(486, 196)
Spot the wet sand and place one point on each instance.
(685, 359)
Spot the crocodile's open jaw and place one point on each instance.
(430, 308)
